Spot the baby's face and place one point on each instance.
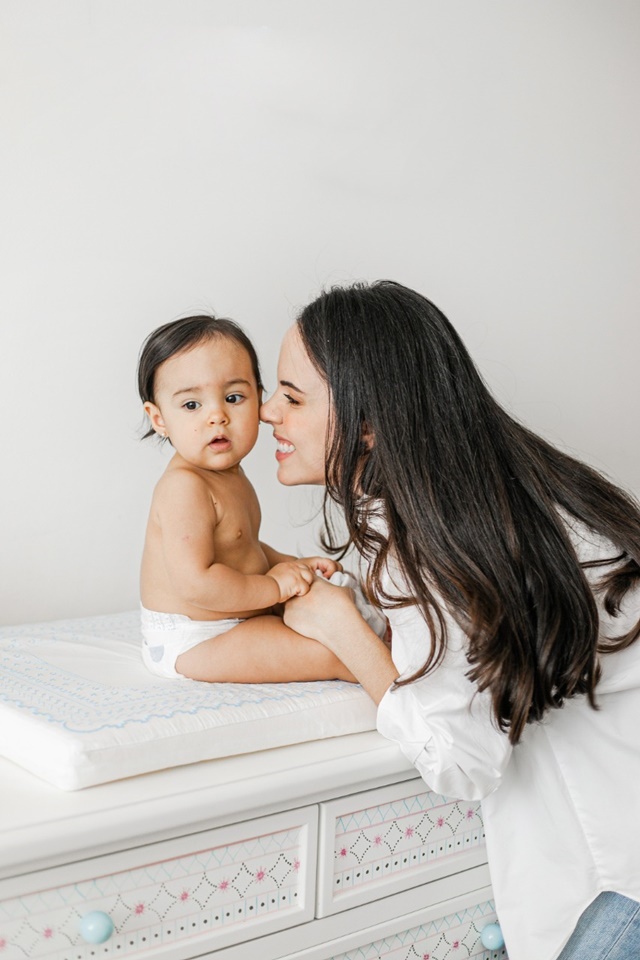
(207, 403)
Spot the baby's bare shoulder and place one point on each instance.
(182, 485)
(180, 476)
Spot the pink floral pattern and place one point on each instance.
(184, 896)
(374, 843)
(453, 935)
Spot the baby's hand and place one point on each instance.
(323, 565)
(294, 578)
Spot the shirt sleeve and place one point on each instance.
(444, 726)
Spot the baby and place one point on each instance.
(209, 586)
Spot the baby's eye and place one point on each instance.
(234, 398)
(191, 405)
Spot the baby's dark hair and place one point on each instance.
(180, 335)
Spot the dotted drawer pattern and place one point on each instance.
(453, 937)
(396, 837)
(232, 885)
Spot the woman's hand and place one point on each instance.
(328, 614)
(322, 613)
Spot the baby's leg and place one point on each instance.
(261, 650)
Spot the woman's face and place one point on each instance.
(298, 411)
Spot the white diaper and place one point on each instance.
(167, 635)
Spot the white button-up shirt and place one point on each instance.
(562, 808)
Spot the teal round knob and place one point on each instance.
(491, 937)
(96, 927)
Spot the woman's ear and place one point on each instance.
(155, 418)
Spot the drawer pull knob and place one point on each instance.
(491, 937)
(96, 927)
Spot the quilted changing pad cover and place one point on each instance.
(78, 707)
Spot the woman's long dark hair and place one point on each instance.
(471, 500)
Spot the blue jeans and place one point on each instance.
(609, 929)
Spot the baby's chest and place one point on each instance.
(236, 533)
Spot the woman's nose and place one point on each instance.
(269, 411)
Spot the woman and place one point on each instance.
(510, 574)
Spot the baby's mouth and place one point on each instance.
(219, 441)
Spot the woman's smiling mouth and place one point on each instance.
(284, 448)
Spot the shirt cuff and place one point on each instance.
(411, 737)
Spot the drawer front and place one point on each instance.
(454, 935)
(384, 841)
(450, 930)
(180, 898)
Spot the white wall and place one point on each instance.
(161, 156)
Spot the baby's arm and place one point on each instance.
(322, 565)
(274, 556)
(187, 518)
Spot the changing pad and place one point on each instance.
(78, 707)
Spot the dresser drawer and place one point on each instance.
(383, 841)
(444, 932)
(177, 898)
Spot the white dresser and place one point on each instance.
(329, 849)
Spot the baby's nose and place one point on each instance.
(217, 415)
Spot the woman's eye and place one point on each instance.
(291, 401)
(234, 398)
(191, 405)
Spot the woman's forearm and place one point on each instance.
(369, 660)
(327, 614)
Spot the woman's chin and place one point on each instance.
(288, 476)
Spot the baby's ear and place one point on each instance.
(155, 418)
